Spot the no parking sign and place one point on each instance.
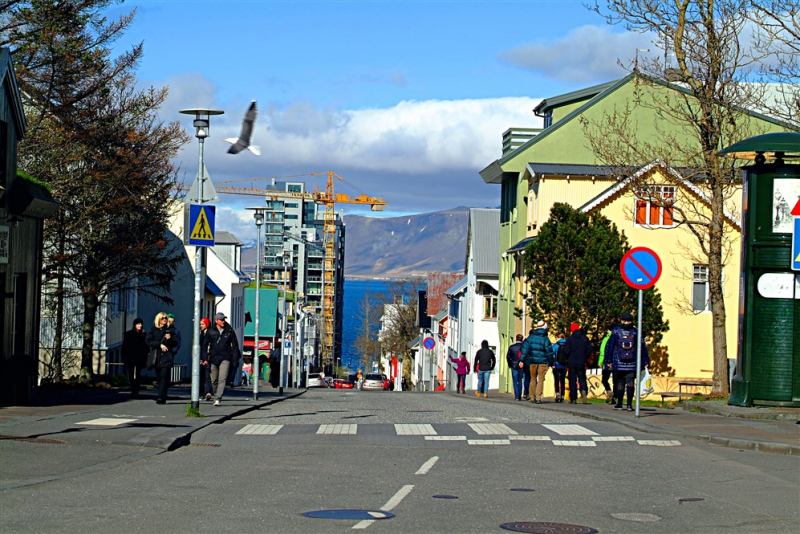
(640, 268)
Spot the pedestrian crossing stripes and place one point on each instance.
(260, 430)
(108, 421)
(570, 430)
(482, 433)
(337, 429)
(414, 430)
(492, 429)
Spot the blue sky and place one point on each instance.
(406, 100)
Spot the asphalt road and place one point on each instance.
(397, 452)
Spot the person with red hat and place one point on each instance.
(577, 351)
(205, 369)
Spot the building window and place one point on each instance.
(290, 217)
(700, 300)
(291, 204)
(654, 205)
(490, 306)
(294, 188)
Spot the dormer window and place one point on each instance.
(654, 205)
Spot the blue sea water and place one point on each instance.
(354, 291)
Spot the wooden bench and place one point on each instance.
(666, 394)
(698, 383)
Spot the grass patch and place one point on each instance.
(193, 412)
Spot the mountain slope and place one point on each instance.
(406, 246)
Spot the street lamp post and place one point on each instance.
(258, 215)
(202, 195)
(287, 260)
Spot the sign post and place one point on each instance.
(429, 343)
(796, 237)
(640, 268)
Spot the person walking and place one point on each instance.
(462, 370)
(484, 365)
(559, 368)
(161, 338)
(134, 354)
(537, 353)
(177, 333)
(621, 350)
(223, 353)
(205, 368)
(517, 366)
(606, 366)
(577, 351)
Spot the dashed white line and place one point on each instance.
(259, 430)
(338, 429)
(574, 443)
(529, 438)
(446, 438)
(390, 504)
(659, 442)
(427, 466)
(613, 438)
(488, 442)
(493, 429)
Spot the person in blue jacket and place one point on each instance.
(559, 370)
(621, 350)
(537, 353)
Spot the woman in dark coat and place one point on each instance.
(134, 354)
(162, 339)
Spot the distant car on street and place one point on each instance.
(316, 380)
(386, 383)
(373, 381)
(341, 383)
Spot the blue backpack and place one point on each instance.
(626, 348)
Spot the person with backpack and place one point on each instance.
(537, 352)
(621, 350)
(577, 350)
(560, 367)
(517, 366)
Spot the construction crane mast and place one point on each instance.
(328, 199)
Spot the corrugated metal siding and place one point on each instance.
(485, 246)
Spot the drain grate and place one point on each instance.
(205, 445)
(34, 440)
(546, 527)
(690, 499)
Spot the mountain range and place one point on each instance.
(399, 247)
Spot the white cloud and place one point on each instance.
(588, 54)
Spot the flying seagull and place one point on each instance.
(243, 141)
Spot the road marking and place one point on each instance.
(473, 419)
(659, 442)
(390, 504)
(570, 430)
(529, 438)
(493, 429)
(427, 466)
(613, 438)
(259, 430)
(107, 421)
(446, 438)
(414, 430)
(488, 442)
(337, 429)
(573, 443)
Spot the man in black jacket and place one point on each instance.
(517, 366)
(134, 354)
(577, 349)
(484, 365)
(223, 353)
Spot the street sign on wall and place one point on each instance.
(640, 268)
(429, 343)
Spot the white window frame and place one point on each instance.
(667, 194)
(700, 276)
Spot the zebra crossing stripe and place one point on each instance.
(259, 430)
(446, 438)
(573, 443)
(570, 430)
(414, 430)
(659, 442)
(337, 429)
(613, 438)
(488, 442)
(529, 438)
(492, 429)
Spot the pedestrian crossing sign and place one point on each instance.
(200, 225)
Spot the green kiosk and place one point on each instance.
(768, 361)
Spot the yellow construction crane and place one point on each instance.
(329, 199)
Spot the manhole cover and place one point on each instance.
(641, 518)
(546, 527)
(445, 497)
(690, 499)
(355, 515)
(522, 489)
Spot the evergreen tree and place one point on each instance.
(573, 265)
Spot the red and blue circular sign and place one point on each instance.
(429, 343)
(640, 268)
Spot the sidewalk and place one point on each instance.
(765, 429)
(95, 415)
